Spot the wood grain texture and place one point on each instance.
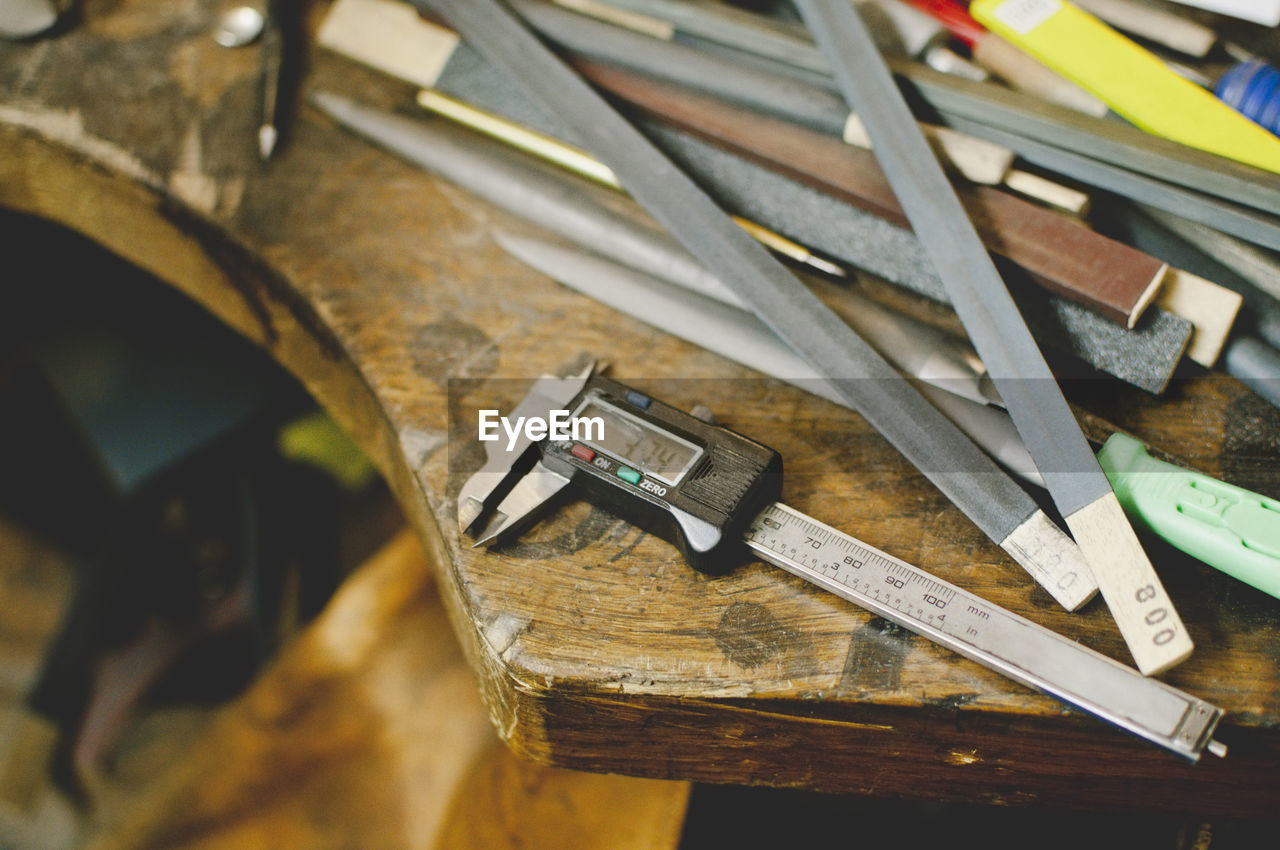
(595, 648)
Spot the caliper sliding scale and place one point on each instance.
(709, 490)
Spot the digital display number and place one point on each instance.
(639, 444)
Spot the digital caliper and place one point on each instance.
(712, 492)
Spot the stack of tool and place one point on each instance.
(1067, 242)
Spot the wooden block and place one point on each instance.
(976, 159)
(407, 46)
(1211, 309)
(1027, 74)
(1141, 606)
(1048, 192)
(1175, 31)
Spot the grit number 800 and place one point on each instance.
(1155, 616)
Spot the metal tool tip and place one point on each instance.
(468, 513)
(491, 531)
(240, 26)
(987, 387)
(327, 100)
(1217, 748)
(828, 267)
(510, 242)
(267, 137)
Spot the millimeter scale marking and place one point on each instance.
(984, 632)
(1138, 601)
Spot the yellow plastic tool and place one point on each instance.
(1131, 80)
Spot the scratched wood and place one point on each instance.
(382, 289)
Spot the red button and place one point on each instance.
(582, 452)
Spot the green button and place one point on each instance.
(626, 473)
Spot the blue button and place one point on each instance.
(639, 400)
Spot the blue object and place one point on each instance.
(1253, 89)
(640, 400)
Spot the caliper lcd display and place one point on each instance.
(638, 443)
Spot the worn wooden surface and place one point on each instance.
(382, 289)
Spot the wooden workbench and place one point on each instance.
(382, 289)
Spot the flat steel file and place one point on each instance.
(1138, 601)
(1260, 228)
(709, 490)
(951, 461)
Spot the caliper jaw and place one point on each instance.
(501, 470)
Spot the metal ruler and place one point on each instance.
(705, 488)
(983, 632)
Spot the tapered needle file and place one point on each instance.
(1142, 609)
(961, 470)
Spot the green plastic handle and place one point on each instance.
(1229, 528)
